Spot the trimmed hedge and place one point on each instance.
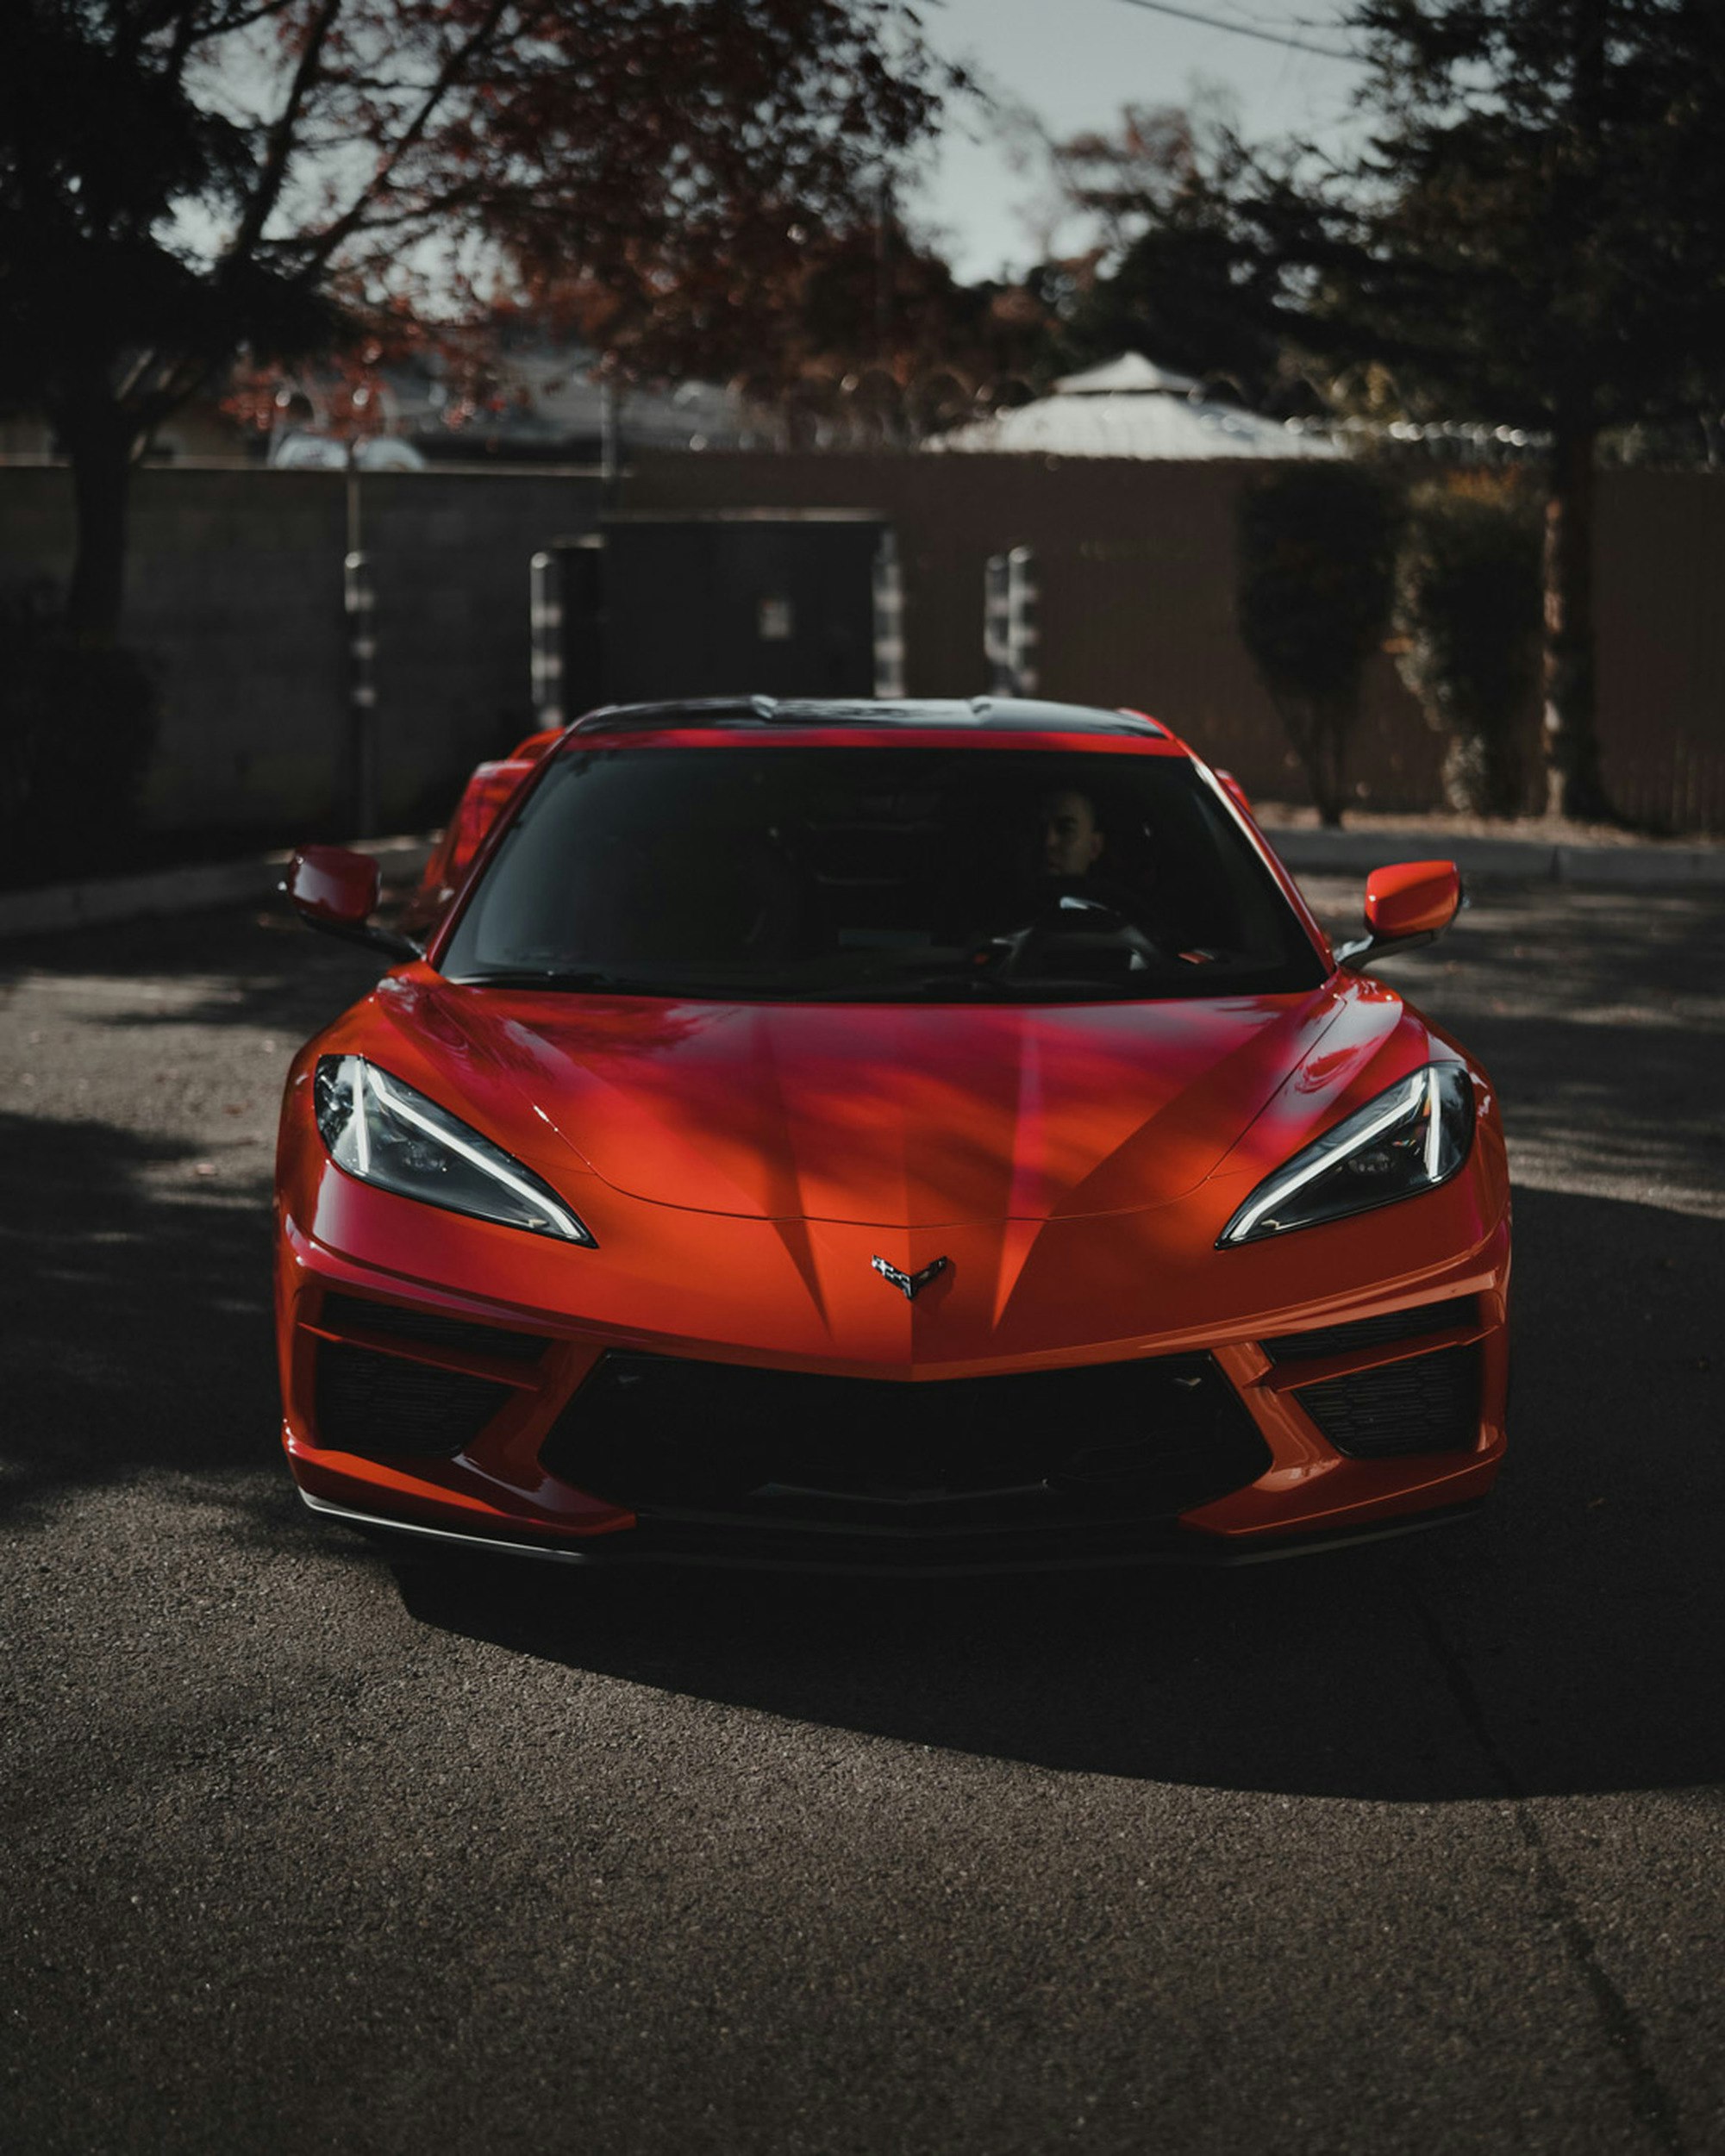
(1467, 608)
(1317, 559)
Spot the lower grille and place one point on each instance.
(1426, 1404)
(675, 1439)
(368, 1403)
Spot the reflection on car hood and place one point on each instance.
(912, 1115)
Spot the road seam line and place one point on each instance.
(1649, 2101)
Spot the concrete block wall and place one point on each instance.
(450, 556)
(234, 596)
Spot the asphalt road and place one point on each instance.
(1416, 1848)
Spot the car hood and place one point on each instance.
(911, 1116)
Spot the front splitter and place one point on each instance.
(622, 1550)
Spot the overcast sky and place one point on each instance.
(1076, 62)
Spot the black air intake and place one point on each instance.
(1147, 1440)
(371, 1403)
(1426, 1404)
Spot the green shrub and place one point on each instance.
(1467, 606)
(1316, 560)
(77, 722)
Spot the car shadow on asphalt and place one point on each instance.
(1567, 1640)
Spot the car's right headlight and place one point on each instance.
(1409, 1140)
(384, 1132)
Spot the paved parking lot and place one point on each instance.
(1416, 1848)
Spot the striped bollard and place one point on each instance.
(546, 617)
(1009, 632)
(889, 619)
(359, 603)
(1022, 635)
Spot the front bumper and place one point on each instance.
(1341, 1336)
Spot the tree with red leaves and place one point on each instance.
(861, 337)
(183, 178)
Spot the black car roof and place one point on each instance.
(1022, 715)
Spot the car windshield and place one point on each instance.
(866, 873)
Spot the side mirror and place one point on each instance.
(1406, 905)
(337, 891)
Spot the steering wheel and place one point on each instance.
(1075, 922)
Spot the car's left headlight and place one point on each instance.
(384, 1132)
(1409, 1140)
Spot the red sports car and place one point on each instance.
(919, 1136)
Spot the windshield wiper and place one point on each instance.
(574, 981)
(978, 987)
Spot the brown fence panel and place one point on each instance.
(1135, 566)
(1660, 577)
(1135, 561)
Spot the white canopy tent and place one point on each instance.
(1129, 407)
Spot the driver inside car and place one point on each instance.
(1073, 840)
(1079, 876)
(1076, 873)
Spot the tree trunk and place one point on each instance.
(100, 445)
(1319, 735)
(1328, 788)
(1573, 785)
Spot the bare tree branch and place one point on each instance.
(280, 139)
(453, 70)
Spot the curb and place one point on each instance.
(1504, 860)
(112, 899)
